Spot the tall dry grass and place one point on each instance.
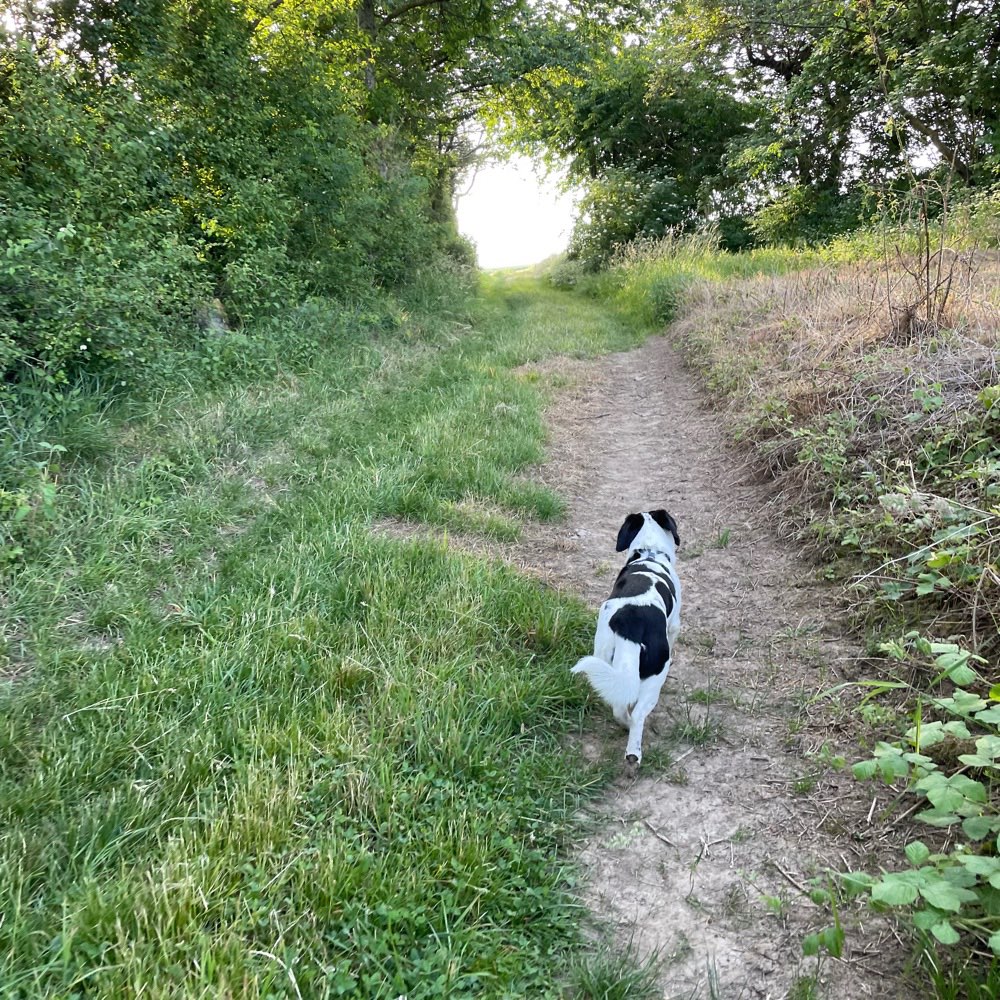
(856, 391)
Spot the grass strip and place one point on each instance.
(250, 748)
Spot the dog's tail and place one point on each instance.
(617, 686)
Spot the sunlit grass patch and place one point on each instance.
(261, 750)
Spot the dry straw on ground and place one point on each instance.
(848, 362)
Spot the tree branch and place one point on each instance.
(949, 155)
(268, 11)
(395, 15)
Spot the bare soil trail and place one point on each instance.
(705, 857)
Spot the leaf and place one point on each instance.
(946, 896)
(830, 938)
(995, 692)
(979, 827)
(931, 733)
(991, 716)
(963, 703)
(917, 852)
(945, 933)
(833, 940)
(971, 789)
(925, 919)
(963, 674)
(995, 943)
(864, 769)
(854, 883)
(893, 890)
(937, 817)
(980, 864)
(958, 729)
(987, 752)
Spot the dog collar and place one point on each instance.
(656, 555)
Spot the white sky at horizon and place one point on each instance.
(514, 214)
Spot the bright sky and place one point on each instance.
(514, 215)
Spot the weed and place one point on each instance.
(697, 732)
(708, 696)
(804, 988)
(804, 785)
(616, 973)
(949, 892)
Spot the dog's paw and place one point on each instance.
(631, 765)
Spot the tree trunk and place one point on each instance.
(366, 22)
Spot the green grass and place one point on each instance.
(250, 747)
(610, 973)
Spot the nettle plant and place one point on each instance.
(950, 759)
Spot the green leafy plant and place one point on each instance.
(949, 760)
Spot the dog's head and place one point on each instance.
(652, 529)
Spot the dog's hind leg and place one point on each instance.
(649, 695)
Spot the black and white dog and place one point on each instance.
(638, 625)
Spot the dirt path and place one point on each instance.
(707, 857)
(704, 857)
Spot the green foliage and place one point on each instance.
(647, 279)
(805, 216)
(783, 121)
(643, 129)
(160, 157)
(955, 891)
(614, 973)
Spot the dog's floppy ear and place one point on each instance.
(628, 531)
(667, 523)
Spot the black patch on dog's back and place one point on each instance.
(645, 625)
(630, 583)
(654, 569)
(666, 591)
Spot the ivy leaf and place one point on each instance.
(995, 943)
(917, 852)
